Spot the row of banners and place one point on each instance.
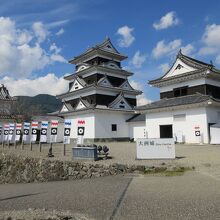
(12, 132)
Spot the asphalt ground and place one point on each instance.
(194, 195)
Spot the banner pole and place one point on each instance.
(15, 144)
(50, 154)
(31, 145)
(64, 149)
(3, 144)
(40, 146)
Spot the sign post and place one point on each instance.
(66, 137)
(156, 148)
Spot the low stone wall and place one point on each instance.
(19, 169)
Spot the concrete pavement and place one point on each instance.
(191, 196)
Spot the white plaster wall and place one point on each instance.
(194, 118)
(212, 82)
(89, 125)
(137, 130)
(191, 83)
(104, 121)
(174, 71)
(213, 114)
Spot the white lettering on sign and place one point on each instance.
(156, 148)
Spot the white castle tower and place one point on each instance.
(100, 94)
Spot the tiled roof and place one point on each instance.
(137, 118)
(177, 101)
(193, 62)
(47, 118)
(7, 116)
(4, 94)
(199, 65)
(100, 47)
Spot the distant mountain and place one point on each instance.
(39, 104)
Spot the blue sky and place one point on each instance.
(150, 32)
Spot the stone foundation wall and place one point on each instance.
(19, 169)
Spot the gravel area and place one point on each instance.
(200, 156)
(41, 214)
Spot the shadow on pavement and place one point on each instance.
(19, 196)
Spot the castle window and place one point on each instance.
(182, 91)
(114, 127)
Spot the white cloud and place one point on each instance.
(164, 67)
(138, 59)
(168, 20)
(48, 84)
(217, 60)
(188, 49)
(60, 32)
(21, 53)
(126, 36)
(56, 24)
(163, 48)
(40, 31)
(211, 35)
(211, 40)
(141, 99)
(208, 50)
(56, 56)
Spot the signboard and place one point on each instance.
(156, 148)
(34, 127)
(43, 131)
(18, 132)
(80, 131)
(11, 131)
(53, 131)
(6, 132)
(26, 131)
(67, 129)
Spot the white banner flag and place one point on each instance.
(11, 131)
(34, 127)
(26, 131)
(67, 129)
(80, 131)
(18, 132)
(43, 131)
(53, 131)
(6, 132)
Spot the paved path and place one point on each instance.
(191, 196)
